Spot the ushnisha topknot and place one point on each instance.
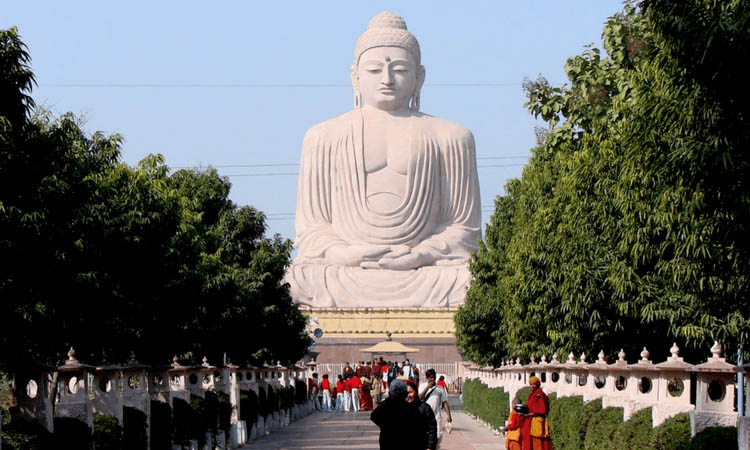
(387, 30)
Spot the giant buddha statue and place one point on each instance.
(388, 209)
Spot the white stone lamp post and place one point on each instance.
(569, 381)
(107, 387)
(209, 374)
(194, 381)
(135, 390)
(673, 387)
(643, 374)
(582, 378)
(619, 387)
(598, 378)
(554, 377)
(283, 374)
(177, 376)
(158, 383)
(32, 394)
(714, 402)
(73, 388)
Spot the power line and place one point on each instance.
(227, 166)
(297, 173)
(93, 84)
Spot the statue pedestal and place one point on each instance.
(347, 330)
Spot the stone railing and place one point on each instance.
(84, 390)
(705, 391)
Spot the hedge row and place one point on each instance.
(577, 425)
(488, 404)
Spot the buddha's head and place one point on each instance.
(387, 73)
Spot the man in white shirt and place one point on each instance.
(437, 398)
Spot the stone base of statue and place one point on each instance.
(346, 331)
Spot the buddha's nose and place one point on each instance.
(387, 78)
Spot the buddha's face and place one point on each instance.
(388, 77)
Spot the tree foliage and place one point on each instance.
(627, 224)
(120, 261)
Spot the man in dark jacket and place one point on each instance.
(404, 425)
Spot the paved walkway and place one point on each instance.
(355, 431)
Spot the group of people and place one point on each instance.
(358, 388)
(527, 427)
(394, 393)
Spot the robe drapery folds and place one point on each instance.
(440, 213)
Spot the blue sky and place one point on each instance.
(239, 83)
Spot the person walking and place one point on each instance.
(377, 390)
(314, 389)
(347, 393)
(356, 386)
(340, 394)
(325, 387)
(437, 398)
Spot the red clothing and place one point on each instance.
(325, 385)
(348, 385)
(442, 384)
(365, 401)
(538, 404)
(356, 384)
(339, 386)
(384, 368)
(514, 423)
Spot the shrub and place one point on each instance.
(248, 407)
(523, 394)
(22, 435)
(635, 432)
(489, 404)
(286, 397)
(73, 432)
(161, 426)
(184, 421)
(673, 434)
(107, 432)
(135, 435)
(300, 392)
(601, 428)
(263, 408)
(567, 422)
(273, 400)
(197, 419)
(710, 438)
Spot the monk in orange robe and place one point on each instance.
(538, 404)
(513, 427)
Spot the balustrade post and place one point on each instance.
(714, 400)
(73, 391)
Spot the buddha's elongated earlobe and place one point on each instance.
(414, 105)
(355, 84)
(415, 97)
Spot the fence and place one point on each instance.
(705, 391)
(84, 390)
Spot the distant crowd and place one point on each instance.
(407, 412)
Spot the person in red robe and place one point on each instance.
(538, 404)
(513, 428)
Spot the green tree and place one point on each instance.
(628, 220)
(117, 260)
